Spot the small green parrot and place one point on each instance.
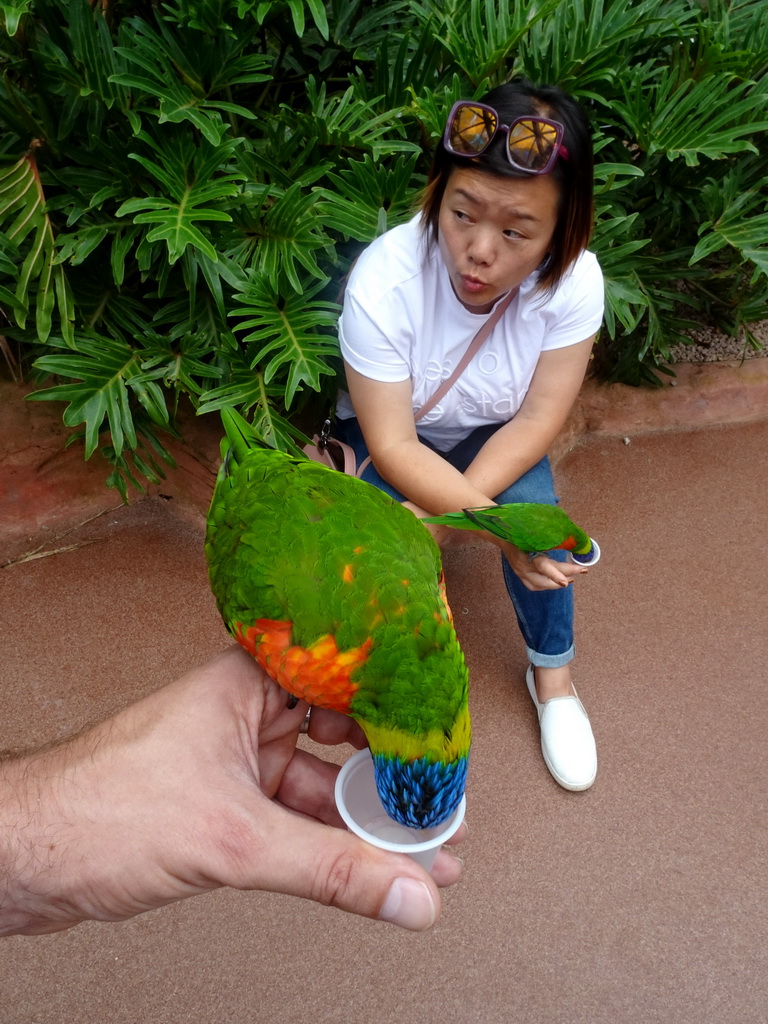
(337, 592)
(529, 526)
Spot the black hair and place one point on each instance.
(574, 176)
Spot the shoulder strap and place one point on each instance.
(472, 348)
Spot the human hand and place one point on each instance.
(540, 572)
(198, 786)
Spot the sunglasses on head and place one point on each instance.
(533, 143)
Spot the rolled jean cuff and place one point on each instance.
(550, 660)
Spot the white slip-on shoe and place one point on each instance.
(567, 742)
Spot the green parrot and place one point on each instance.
(529, 526)
(337, 592)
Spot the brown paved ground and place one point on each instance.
(643, 900)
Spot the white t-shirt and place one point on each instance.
(401, 320)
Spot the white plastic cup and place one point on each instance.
(364, 814)
(583, 560)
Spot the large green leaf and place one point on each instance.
(289, 332)
(248, 390)
(348, 123)
(186, 173)
(712, 117)
(406, 65)
(576, 42)
(40, 282)
(482, 36)
(105, 371)
(176, 221)
(94, 59)
(144, 462)
(13, 12)
(368, 198)
(264, 9)
(279, 234)
(166, 74)
(741, 222)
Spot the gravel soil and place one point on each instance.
(710, 346)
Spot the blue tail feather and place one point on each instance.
(420, 794)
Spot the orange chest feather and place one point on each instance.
(319, 674)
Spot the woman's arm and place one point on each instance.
(529, 435)
(384, 411)
(385, 414)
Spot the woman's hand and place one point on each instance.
(539, 572)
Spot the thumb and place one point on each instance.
(302, 857)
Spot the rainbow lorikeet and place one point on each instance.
(337, 591)
(530, 526)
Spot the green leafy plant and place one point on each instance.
(183, 186)
(22, 206)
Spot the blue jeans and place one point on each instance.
(545, 617)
